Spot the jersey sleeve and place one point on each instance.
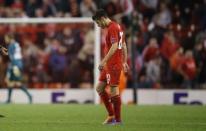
(113, 34)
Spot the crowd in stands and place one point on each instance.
(55, 55)
(169, 36)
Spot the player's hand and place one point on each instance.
(125, 67)
(4, 51)
(101, 66)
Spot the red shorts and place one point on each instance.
(111, 75)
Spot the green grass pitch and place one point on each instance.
(89, 118)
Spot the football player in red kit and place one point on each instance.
(114, 61)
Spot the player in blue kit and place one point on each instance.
(15, 68)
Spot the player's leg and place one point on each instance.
(105, 98)
(116, 101)
(15, 80)
(10, 86)
(115, 93)
(17, 71)
(9, 83)
(24, 89)
(107, 102)
(9, 95)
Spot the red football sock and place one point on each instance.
(116, 100)
(107, 103)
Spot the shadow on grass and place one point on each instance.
(1, 116)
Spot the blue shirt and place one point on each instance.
(15, 55)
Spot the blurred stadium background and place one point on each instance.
(166, 42)
(60, 56)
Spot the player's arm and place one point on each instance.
(112, 50)
(3, 50)
(125, 65)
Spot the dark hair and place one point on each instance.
(98, 14)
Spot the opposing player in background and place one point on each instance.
(114, 61)
(15, 68)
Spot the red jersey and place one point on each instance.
(176, 61)
(150, 53)
(168, 48)
(114, 35)
(189, 67)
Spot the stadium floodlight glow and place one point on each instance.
(65, 21)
